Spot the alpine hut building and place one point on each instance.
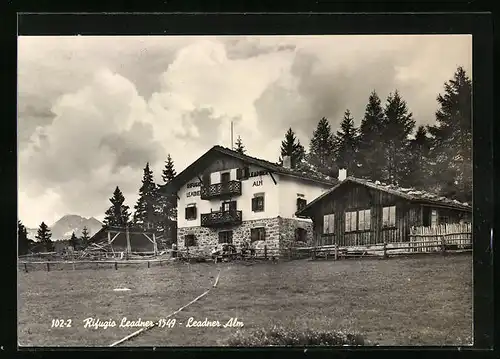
(228, 197)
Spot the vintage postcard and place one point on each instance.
(245, 190)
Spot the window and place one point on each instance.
(242, 173)
(189, 240)
(258, 234)
(364, 220)
(328, 223)
(358, 220)
(226, 237)
(228, 206)
(301, 203)
(434, 218)
(225, 177)
(389, 216)
(191, 212)
(350, 221)
(258, 203)
(300, 235)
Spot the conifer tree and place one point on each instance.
(322, 148)
(419, 174)
(239, 146)
(371, 148)
(84, 239)
(167, 211)
(292, 147)
(346, 145)
(451, 150)
(168, 173)
(118, 214)
(145, 214)
(22, 239)
(73, 241)
(43, 236)
(398, 125)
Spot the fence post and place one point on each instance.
(385, 250)
(148, 264)
(442, 246)
(290, 254)
(336, 251)
(25, 267)
(116, 265)
(265, 251)
(48, 267)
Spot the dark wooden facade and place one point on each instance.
(352, 197)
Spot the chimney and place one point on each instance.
(342, 174)
(287, 162)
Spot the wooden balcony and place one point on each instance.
(221, 218)
(221, 190)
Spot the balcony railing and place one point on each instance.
(227, 189)
(221, 218)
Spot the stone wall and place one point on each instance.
(280, 236)
(208, 238)
(287, 234)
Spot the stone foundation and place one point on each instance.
(287, 234)
(280, 236)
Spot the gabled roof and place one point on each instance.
(197, 167)
(410, 194)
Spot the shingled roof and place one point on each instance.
(304, 171)
(411, 194)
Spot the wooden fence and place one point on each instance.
(428, 239)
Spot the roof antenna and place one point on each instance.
(232, 143)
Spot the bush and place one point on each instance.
(294, 337)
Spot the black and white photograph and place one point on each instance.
(244, 190)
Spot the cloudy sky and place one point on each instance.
(93, 110)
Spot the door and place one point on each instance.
(225, 177)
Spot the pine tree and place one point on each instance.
(346, 145)
(84, 239)
(167, 211)
(22, 239)
(168, 172)
(73, 241)
(118, 214)
(322, 148)
(239, 146)
(146, 208)
(43, 236)
(371, 149)
(398, 125)
(292, 147)
(451, 150)
(418, 161)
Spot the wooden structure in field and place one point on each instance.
(359, 212)
(128, 240)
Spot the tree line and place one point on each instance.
(387, 147)
(44, 239)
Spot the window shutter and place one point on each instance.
(187, 212)
(261, 203)
(232, 206)
(239, 173)
(246, 172)
(254, 204)
(253, 233)
(299, 202)
(193, 212)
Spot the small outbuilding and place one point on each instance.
(358, 212)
